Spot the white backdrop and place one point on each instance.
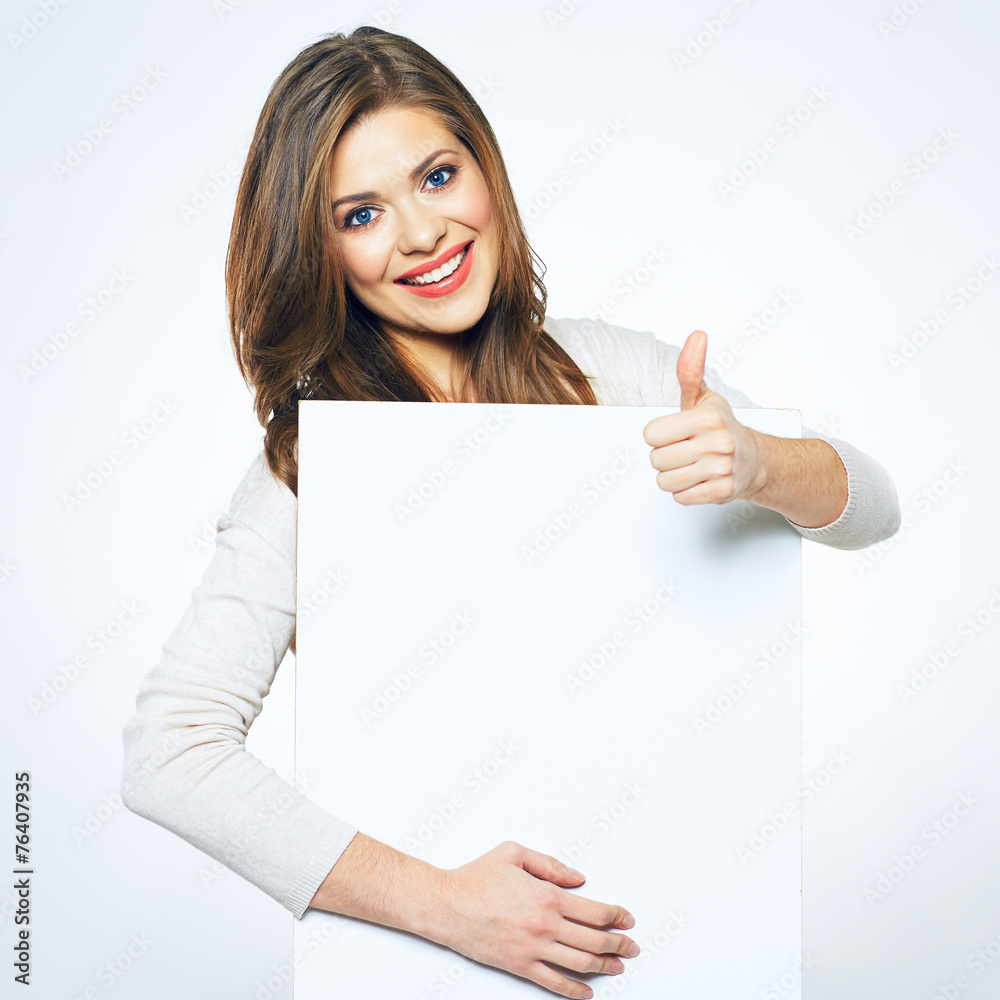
(680, 166)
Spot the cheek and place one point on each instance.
(364, 260)
(478, 210)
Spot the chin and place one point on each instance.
(445, 318)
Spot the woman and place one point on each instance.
(377, 253)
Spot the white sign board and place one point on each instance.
(506, 630)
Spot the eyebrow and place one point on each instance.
(414, 173)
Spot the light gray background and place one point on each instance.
(548, 89)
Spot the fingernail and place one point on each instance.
(632, 950)
(576, 874)
(616, 967)
(629, 921)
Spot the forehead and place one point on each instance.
(384, 147)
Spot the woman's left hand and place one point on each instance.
(703, 454)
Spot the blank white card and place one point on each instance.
(507, 631)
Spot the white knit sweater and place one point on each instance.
(186, 766)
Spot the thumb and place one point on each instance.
(545, 866)
(691, 368)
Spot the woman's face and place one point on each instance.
(409, 197)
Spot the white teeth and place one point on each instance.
(439, 272)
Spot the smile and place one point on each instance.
(443, 279)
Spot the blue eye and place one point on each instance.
(437, 172)
(362, 222)
(365, 215)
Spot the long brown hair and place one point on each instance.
(297, 330)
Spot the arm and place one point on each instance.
(803, 479)
(186, 766)
(828, 490)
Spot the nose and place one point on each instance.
(421, 227)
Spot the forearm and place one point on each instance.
(376, 882)
(801, 478)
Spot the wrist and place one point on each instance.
(434, 918)
(803, 479)
(375, 882)
(758, 453)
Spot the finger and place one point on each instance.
(707, 468)
(680, 480)
(691, 368)
(546, 867)
(675, 456)
(540, 973)
(673, 427)
(589, 911)
(594, 941)
(717, 491)
(580, 961)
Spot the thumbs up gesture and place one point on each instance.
(703, 454)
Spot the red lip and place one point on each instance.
(416, 272)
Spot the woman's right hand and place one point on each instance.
(507, 909)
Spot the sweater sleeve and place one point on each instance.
(871, 513)
(186, 766)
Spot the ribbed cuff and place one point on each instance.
(300, 895)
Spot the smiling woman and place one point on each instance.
(377, 253)
(372, 163)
